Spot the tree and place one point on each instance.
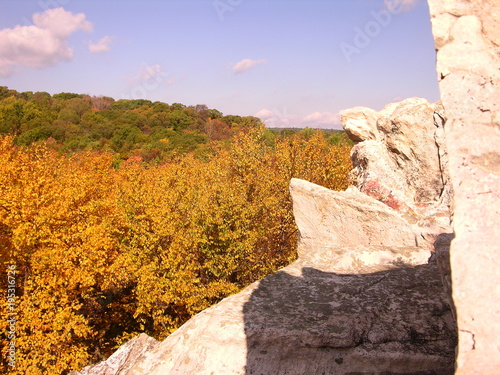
(126, 137)
(177, 106)
(214, 114)
(126, 104)
(107, 250)
(101, 102)
(179, 120)
(11, 115)
(66, 96)
(217, 130)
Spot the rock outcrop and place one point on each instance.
(316, 317)
(400, 159)
(354, 303)
(364, 297)
(467, 40)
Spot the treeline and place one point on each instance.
(150, 130)
(106, 250)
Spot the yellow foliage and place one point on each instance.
(104, 253)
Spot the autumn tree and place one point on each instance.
(106, 250)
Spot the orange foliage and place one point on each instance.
(105, 253)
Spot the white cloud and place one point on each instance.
(277, 118)
(103, 45)
(246, 64)
(42, 44)
(149, 78)
(282, 119)
(323, 118)
(404, 5)
(265, 114)
(150, 73)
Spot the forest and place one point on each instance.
(129, 216)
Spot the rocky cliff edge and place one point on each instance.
(365, 295)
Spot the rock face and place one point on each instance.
(365, 295)
(400, 159)
(467, 40)
(341, 218)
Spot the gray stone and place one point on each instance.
(313, 318)
(401, 164)
(442, 254)
(360, 123)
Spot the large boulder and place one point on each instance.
(400, 159)
(341, 219)
(467, 40)
(307, 319)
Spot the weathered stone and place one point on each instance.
(126, 360)
(349, 305)
(385, 322)
(360, 123)
(404, 163)
(467, 35)
(329, 218)
(442, 254)
(400, 165)
(309, 318)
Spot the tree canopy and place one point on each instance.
(108, 244)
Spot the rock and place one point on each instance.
(309, 318)
(306, 320)
(360, 123)
(126, 360)
(329, 218)
(403, 163)
(442, 247)
(467, 36)
(349, 305)
(402, 158)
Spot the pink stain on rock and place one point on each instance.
(382, 194)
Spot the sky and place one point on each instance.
(292, 63)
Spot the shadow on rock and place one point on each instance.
(308, 321)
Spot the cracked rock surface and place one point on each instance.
(467, 40)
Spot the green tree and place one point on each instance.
(11, 115)
(179, 120)
(127, 137)
(214, 114)
(66, 96)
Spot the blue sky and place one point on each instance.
(289, 62)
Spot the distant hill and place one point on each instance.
(278, 130)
